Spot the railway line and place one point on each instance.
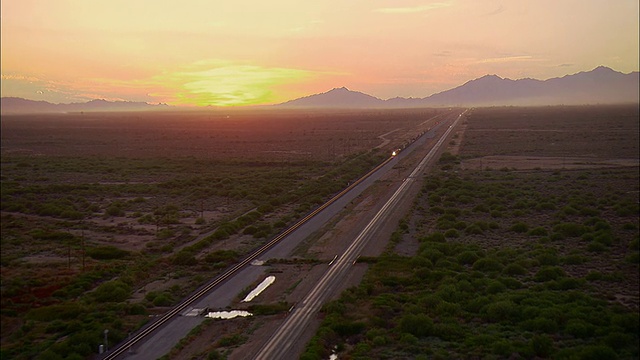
(125, 346)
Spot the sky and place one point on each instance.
(251, 52)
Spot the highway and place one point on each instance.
(160, 335)
(278, 346)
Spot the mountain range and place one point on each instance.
(15, 105)
(601, 85)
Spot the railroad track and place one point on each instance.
(125, 346)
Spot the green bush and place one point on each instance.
(451, 233)
(596, 246)
(112, 291)
(435, 237)
(598, 352)
(107, 252)
(418, 325)
(487, 264)
(162, 300)
(549, 273)
(570, 229)
(467, 257)
(185, 258)
(538, 231)
(542, 345)
(501, 311)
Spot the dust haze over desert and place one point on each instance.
(319, 180)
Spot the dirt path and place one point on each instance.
(385, 141)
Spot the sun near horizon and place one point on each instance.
(223, 54)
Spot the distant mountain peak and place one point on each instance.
(14, 105)
(603, 68)
(600, 85)
(490, 77)
(337, 98)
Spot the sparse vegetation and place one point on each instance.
(540, 271)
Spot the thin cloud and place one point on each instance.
(507, 59)
(413, 9)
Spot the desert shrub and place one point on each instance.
(473, 229)
(487, 264)
(501, 311)
(514, 269)
(65, 311)
(250, 230)
(112, 291)
(545, 205)
(540, 324)
(579, 328)
(548, 273)
(570, 229)
(348, 328)
(548, 259)
(137, 309)
(114, 210)
(633, 258)
(226, 256)
(511, 283)
(495, 287)
(418, 325)
(162, 300)
(626, 208)
(574, 259)
(437, 210)
(604, 237)
(598, 352)
(231, 340)
(542, 345)
(106, 253)
(538, 231)
(184, 257)
(435, 237)
(595, 246)
(467, 257)
(519, 227)
(447, 158)
(165, 233)
(452, 233)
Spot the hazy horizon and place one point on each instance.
(223, 54)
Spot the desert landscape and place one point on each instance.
(108, 236)
(508, 252)
(152, 204)
(275, 180)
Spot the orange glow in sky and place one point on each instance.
(223, 53)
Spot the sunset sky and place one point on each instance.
(222, 53)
